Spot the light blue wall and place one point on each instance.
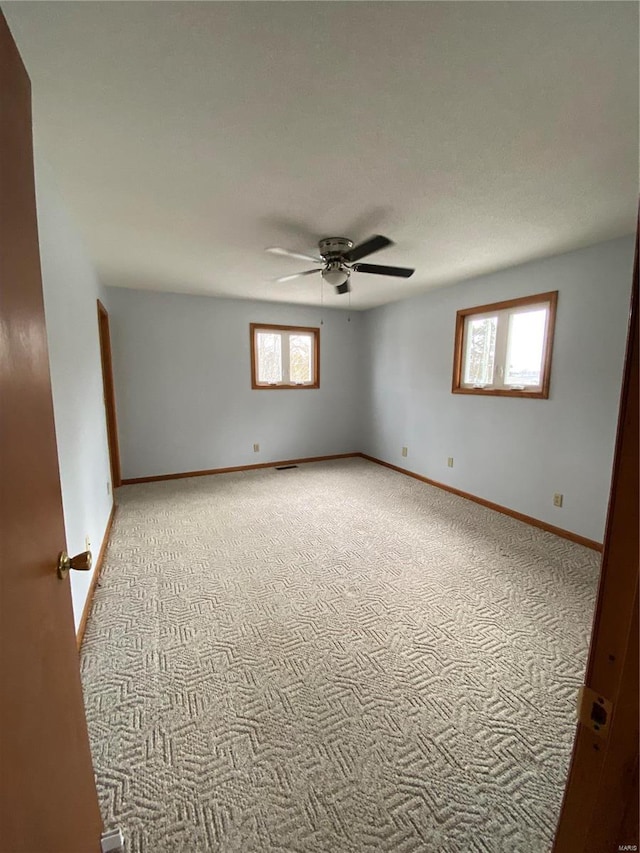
(71, 290)
(510, 451)
(183, 384)
(185, 402)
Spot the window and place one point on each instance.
(285, 356)
(504, 349)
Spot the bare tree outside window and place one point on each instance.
(269, 357)
(504, 349)
(300, 358)
(284, 356)
(481, 351)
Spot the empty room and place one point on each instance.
(319, 426)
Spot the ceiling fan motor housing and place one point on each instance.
(332, 248)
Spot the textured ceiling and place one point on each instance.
(187, 137)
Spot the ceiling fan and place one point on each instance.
(339, 258)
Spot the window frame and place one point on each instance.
(314, 331)
(550, 298)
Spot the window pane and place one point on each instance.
(525, 348)
(300, 355)
(480, 351)
(269, 348)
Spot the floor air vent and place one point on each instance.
(285, 467)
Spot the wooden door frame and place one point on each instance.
(104, 336)
(600, 807)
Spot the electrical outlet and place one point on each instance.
(87, 543)
(557, 499)
(450, 461)
(405, 451)
(256, 448)
(108, 487)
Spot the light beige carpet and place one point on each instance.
(332, 658)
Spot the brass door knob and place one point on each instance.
(81, 562)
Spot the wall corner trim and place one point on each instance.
(96, 577)
(527, 519)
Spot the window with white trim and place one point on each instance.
(504, 349)
(284, 356)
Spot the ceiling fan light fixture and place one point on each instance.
(335, 275)
(339, 258)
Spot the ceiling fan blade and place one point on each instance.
(276, 250)
(373, 244)
(343, 288)
(297, 275)
(401, 272)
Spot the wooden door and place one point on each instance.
(48, 800)
(109, 394)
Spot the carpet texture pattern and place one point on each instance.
(332, 658)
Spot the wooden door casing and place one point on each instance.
(108, 384)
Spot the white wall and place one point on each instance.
(183, 385)
(70, 290)
(510, 451)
